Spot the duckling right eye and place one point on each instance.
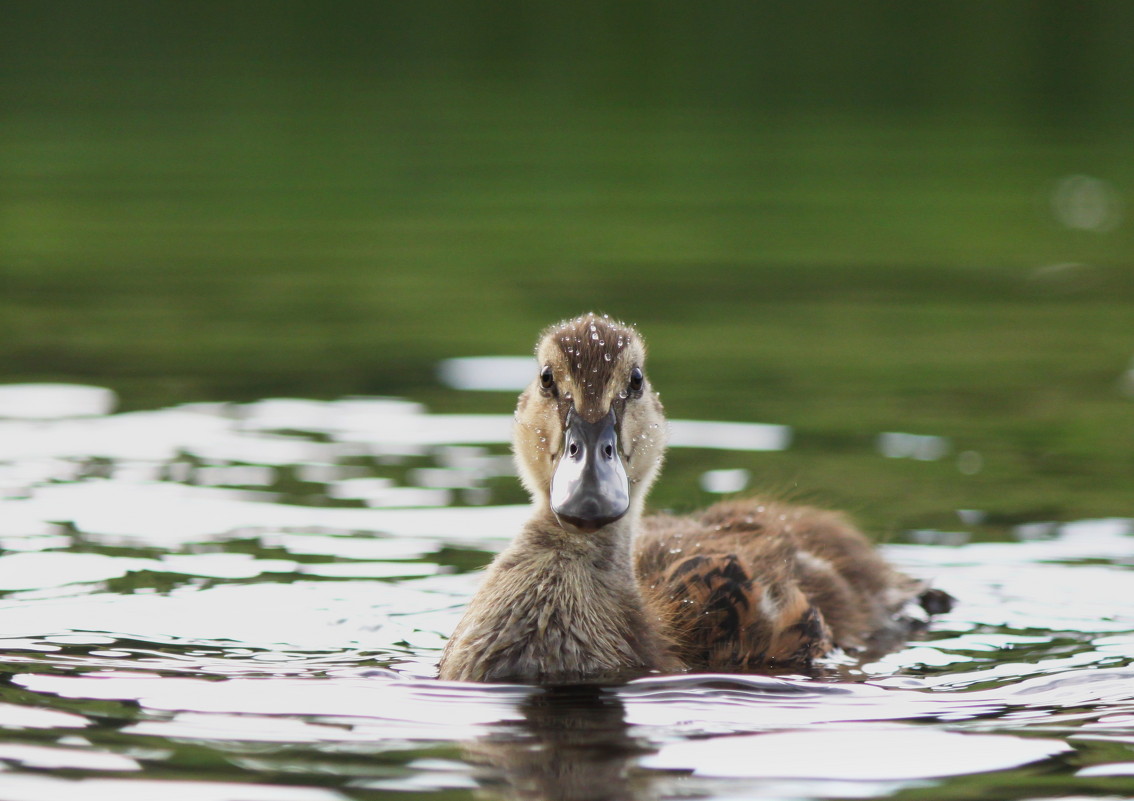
(637, 380)
(547, 380)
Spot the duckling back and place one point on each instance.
(759, 586)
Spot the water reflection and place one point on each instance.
(725, 481)
(573, 744)
(506, 373)
(898, 445)
(54, 401)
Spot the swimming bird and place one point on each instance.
(591, 590)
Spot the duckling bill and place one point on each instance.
(589, 488)
(591, 590)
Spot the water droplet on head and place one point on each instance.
(606, 357)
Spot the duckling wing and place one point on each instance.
(759, 586)
(732, 602)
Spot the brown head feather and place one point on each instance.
(586, 353)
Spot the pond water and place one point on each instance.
(249, 601)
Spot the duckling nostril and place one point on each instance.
(608, 451)
(573, 449)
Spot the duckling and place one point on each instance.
(590, 590)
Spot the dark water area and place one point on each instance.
(881, 255)
(846, 220)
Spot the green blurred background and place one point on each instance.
(846, 217)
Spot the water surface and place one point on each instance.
(248, 601)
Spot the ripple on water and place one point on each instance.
(156, 623)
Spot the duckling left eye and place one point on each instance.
(547, 379)
(637, 380)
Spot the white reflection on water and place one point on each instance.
(22, 717)
(54, 401)
(923, 447)
(841, 754)
(507, 373)
(306, 616)
(725, 481)
(728, 436)
(169, 514)
(293, 633)
(45, 788)
(37, 756)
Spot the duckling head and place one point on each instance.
(590, 433)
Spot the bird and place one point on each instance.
(592, 590)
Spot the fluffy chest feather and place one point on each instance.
(548, 616)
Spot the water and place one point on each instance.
(248, 602)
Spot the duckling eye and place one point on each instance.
(547, 379)
(637, 380)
